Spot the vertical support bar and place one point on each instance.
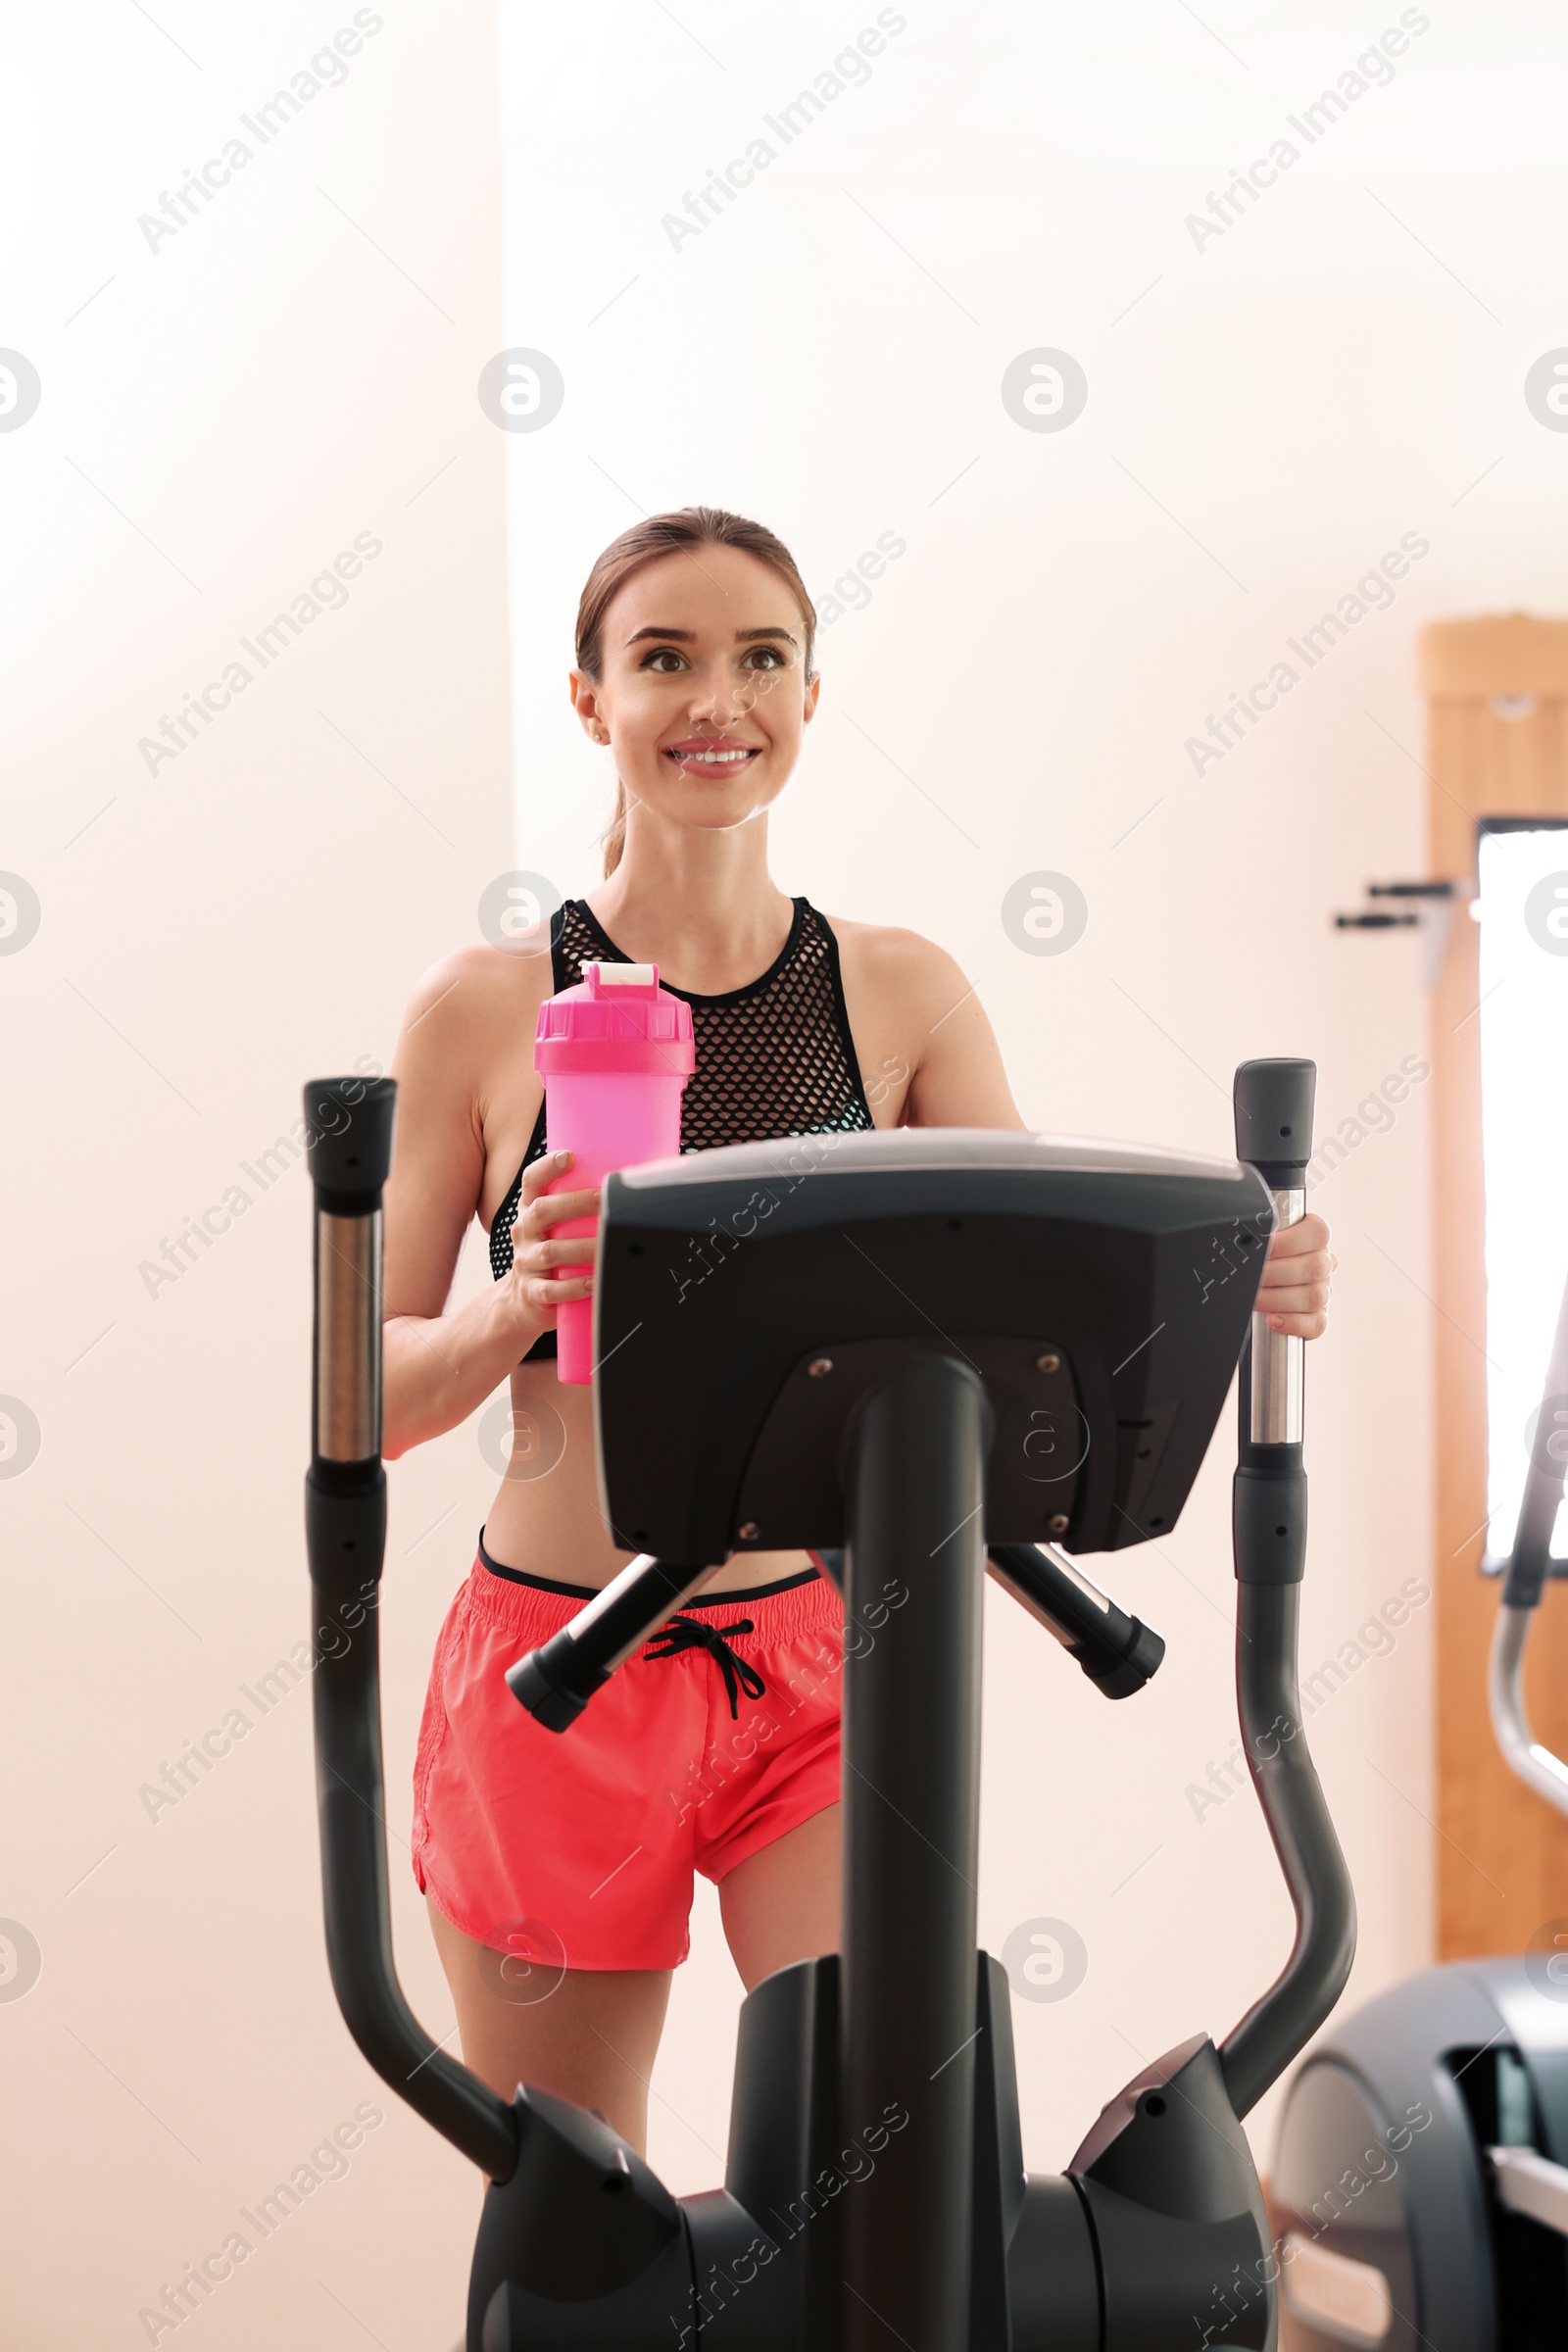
(917, 1457)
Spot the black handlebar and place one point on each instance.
(556, 1681)
(348, 1149)
(1274, 1106)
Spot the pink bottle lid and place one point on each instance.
(617, 1019)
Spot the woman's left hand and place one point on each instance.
(1293, 1293)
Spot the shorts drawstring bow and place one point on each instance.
(689, 1633)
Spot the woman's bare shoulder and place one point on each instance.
(886, 956)
(472, 1003)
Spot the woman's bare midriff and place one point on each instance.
(546, 1518)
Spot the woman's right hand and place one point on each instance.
(535, 1256)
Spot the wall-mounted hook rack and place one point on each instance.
(1431, 915)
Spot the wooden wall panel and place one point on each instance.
(1502, 1853)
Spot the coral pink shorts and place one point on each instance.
(576, 1849)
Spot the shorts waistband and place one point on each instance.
(529, 1608)
(717, 1600)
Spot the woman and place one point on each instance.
(716, 1748)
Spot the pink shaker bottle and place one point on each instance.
(614, 1053)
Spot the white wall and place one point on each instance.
(297, 366)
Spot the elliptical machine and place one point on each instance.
(907, 1350)
(1422, 2166)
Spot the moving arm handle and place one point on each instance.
(1118, 1654)
(1274, 1106)
(348, 1149)
(1528, 1563)
(1528, 1567)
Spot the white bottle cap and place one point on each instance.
(623, 975)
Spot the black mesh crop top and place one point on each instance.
(773, 1058)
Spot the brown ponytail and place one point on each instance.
(644, 544)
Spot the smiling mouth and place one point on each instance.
(716, 762)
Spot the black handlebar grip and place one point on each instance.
(348, 1139)
(543, 1682)
(1118, 1654)
(1136, 1669)
(1274, 1101)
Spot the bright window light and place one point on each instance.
(1523, 1125)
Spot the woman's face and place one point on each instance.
(703, 696)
